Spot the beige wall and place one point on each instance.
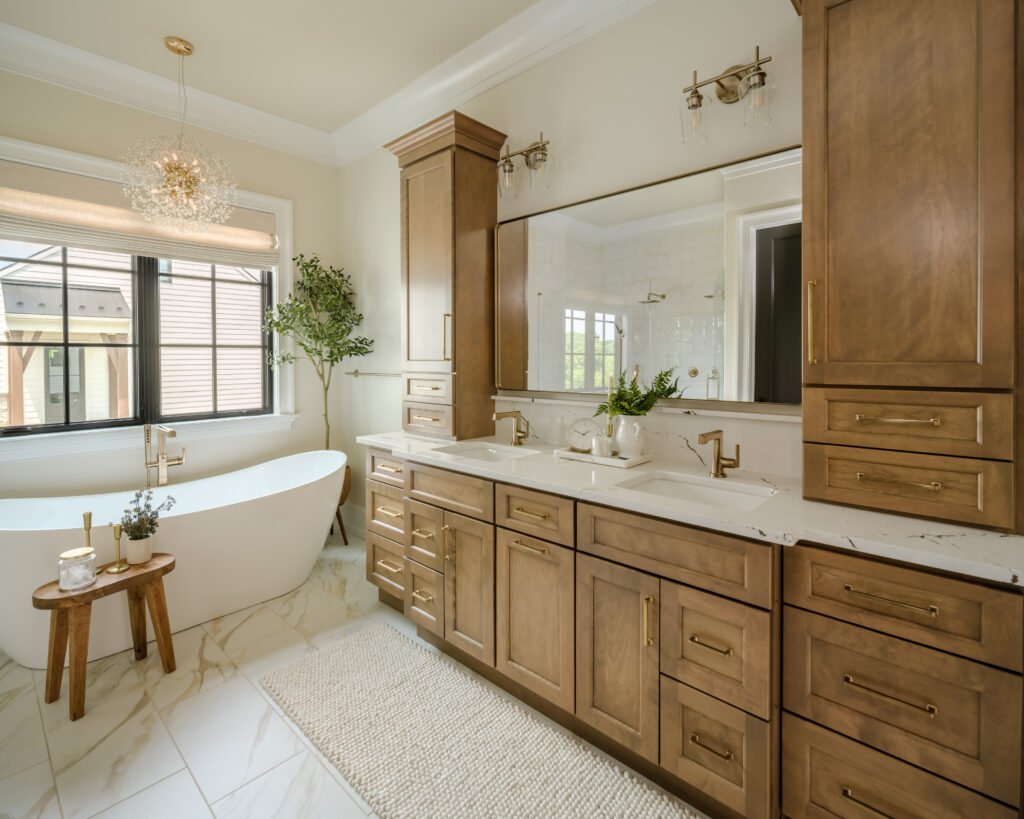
(49, 115)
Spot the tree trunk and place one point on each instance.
(327, 425)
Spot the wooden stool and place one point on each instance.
(71, 611)
(346, 487)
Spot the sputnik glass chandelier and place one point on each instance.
(171, 178)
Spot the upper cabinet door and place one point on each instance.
(909, 193)
(427, 262)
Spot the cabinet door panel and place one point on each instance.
(469, 586)
(908, 239)
(617, 653)
(423, 535)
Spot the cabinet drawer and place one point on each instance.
(424, 535)
(948, 715)
(720, 563)
(827, 775)
(976, 425)
(427, 388)
(424, 597)
(385, 511)
(718, 646)
(962, 618)
(932, 486)
(718, 749)
(384, 564)
(384, 467)
(534, 513)
(450, 490)
(433, 419)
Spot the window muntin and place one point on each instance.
(591, 349)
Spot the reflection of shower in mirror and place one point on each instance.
(652, 297)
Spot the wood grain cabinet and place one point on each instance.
(469, 585)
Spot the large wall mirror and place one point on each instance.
(700, 273)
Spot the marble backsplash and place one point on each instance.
(770, 444)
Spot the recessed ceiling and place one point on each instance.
(320, 63)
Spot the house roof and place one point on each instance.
(38, 298)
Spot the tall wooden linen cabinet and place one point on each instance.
(910, 270)
(449, 213)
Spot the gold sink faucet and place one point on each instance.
(520, 426)
(162, 462)
(721, 462)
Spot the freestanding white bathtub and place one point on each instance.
(239, 539)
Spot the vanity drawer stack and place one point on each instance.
(385, 522)
(911, 679)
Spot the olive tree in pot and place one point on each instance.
(140, 523)
(320, 316)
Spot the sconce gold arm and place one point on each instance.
(737, 72)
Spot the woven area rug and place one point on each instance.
(419, 736)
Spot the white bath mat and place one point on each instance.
(419, 736)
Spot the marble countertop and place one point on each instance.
(784, 517)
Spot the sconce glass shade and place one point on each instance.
(693, 112)
(539, 163)
(506, 178)
(757, 95)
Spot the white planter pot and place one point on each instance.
(139, 551)
(629, 437)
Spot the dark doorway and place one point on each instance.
(54, 376)
(777, 320)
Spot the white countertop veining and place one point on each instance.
(784, 518)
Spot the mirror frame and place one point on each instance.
(703, 404)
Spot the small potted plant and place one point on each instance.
(140, 523)
(631, 400)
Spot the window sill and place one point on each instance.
(91, 441)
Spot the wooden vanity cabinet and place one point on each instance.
(469, 585)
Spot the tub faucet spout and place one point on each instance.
(162, 462)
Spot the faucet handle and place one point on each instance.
(732, 463)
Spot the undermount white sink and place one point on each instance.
(706, 491)
(486, 452)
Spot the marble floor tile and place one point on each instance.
(12, 675)
(299, 788)
(229, 735)
(22, 743)
(105, 679)
(29, 794)
(118, 748)
(201, 664)
(311, 610)
(176, 797)
(243, 627)
(271, 653)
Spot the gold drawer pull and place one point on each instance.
(388, 513)
(931, 611)
(423, 533)
(931, 486)
(868, 419)
(648, 639)
(929, 709)
(426, 389)
(695, 639)
(529, 514)
(848, 795)
(423, 598)
(449, 556)
(388, 566)
(425, 418)
(811, 357)
(394, 470)
(727, 755)
(539, 550)
(444, 337)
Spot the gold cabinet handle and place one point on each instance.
(811, 357)
(394, 470)
(929, 709)
(388, 513)
(423, 598)
(648, 639)
(388, 566)
(931, 486)
(448, 555)
(697, 641)
(537, 550)
(425, 418)
(728, 756)
(426, 389)
(526, 513)
(444, 337)
(930, 610)
(423, 533)
(871, 419)
(848, 795)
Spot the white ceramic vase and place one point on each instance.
(629, 437)
(139, 551)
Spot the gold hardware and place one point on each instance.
(421, 387)
(423, 534)
(87, 525)
(423, 598)
(867, 419)
(77, 554)
(695, 639)
(648, 639)
(388, 513)
(693, 372)
(811, 357)
(931, 486)
(425, 418)
(450, 557)
(848, 795)
(394, 470)
(534, 515)
(728, 82)
(179, 46)
(726, 755)
(518, 434)
(162, 462)
(931, 611)
(444, 337)
(929, 709)
(118, 565)
(388, 566)
(540, 550)
(721, 463)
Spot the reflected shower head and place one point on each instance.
(653, 298)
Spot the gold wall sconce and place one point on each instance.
(535, 157)
(738, 82)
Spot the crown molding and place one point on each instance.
(783, 159)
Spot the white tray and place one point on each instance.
(620, 463)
